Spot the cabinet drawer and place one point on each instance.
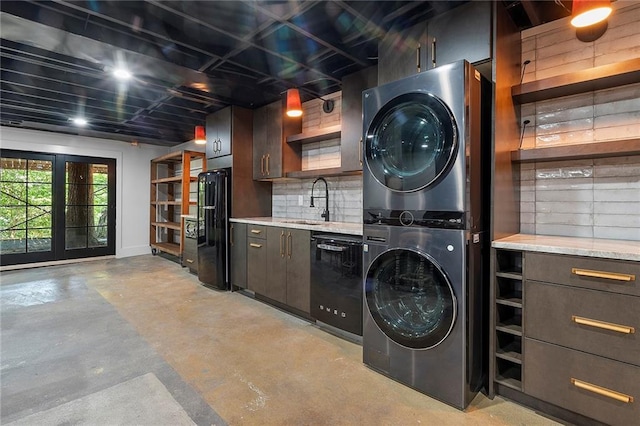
(257, 231)
(559, 375)
(618, 276)
(598, 322)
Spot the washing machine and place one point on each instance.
(422, 312)
(422, 149)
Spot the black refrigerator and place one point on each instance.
(214, 210)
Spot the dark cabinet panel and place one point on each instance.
(351, 134)
(298, 269)
(277, 263)
(590, 385)
(238, 245)
(256, 264)
(463, 33)
(219, 133)
(402, 53)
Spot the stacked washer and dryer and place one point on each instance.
(423, 232)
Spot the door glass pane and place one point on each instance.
(87, 200)
(411, 142)
(25, 205)
(410, 298)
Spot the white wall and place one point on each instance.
(132, 177)
(598, 198)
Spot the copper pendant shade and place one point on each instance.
(200, 137)
(585, 13)
(294, 106)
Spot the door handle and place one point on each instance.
(256, 231)
(268, 168)
(262, 165)
(602, 391)
(289, 245)
(418, 51)
(433, 53)
(231, 235)
(601, 274)
(255, 245)
(282, 244)
(360, 151)
(625, 329)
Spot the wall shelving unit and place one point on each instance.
(171, 180)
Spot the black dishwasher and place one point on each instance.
(336, 281)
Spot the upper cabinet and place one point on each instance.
(351, 135)
(219, 133)
(462, 33)
(272, 158)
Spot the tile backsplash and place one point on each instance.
(293, 199)
(598, 198)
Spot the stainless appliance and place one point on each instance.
(422, 144)
(422, 321)
(213, 228)
(423, 205)
(336, 282)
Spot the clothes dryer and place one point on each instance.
(422, 313)
(422, 145)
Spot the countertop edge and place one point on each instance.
(348, 228)
(588, 247)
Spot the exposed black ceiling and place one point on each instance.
(188, 58)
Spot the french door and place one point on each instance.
(55, 207)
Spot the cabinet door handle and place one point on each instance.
(189, 260)
(256, 231)
(418, 51)
(262, 165)
(360, 151)
(268, 168)
(282, 244)
(231, 235)
(289, 244)
(602, 391)
(433, 53)
(604, 325)
(601, 274)
(255, 245)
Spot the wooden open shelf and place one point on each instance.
(597, 78)
(169, 225)
(316, 135)
(578, 151)
(171, 248)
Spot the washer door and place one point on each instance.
(411, 142)
(410, 298)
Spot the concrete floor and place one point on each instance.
(74, 336)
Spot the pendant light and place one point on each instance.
(585, 13)
(200, 138)
(294, 106)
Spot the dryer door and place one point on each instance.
(410, 298)
(411, 142)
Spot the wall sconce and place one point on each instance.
(294, 106)
(200, 138)
(585, 13)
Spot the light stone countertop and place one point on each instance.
(309, 225)
(590, 247)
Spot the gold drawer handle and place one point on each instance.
(189, 261)
(601, 274)
(256, 231)
(602, 391)
(255, 245)
(601, 324)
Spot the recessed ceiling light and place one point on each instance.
(122, 74)
(79, 121)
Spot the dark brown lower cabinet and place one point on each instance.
(565, 333)
(238, 252)
(256, 264)
(289, 267)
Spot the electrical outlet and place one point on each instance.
(300, 200)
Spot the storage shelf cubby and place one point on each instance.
(507, 309)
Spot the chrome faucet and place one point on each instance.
(325, 213)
